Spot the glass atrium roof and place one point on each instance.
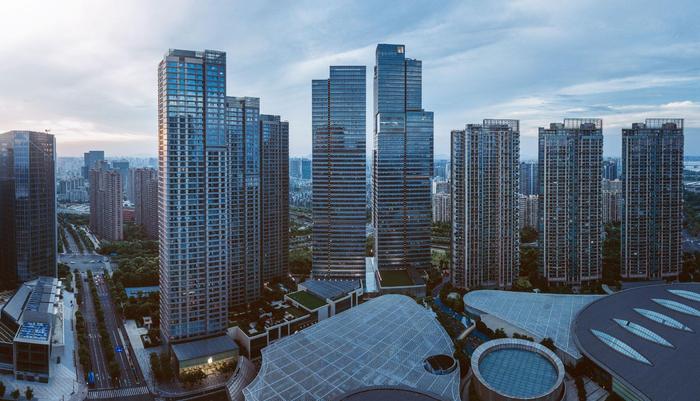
(643, 332)
(691, 295)
(620, 346)
(677, 306)
(381, 342)
(663, 319)
(543, 315)
(518, 372)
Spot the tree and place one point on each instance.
(2, 389)
(549, 343)
(527, 235)
(29, 393)
(15, 394)
(580, 388)
(155, 367)
(192, 376)
(166, 367)
(500, 333)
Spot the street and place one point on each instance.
(99, 363)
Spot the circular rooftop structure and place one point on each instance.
(389, 393)
(511, 369)
(645, 339)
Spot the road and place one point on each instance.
(99, 362)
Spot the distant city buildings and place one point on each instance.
(652, 188)
(106, 202)
(122, 166)
(295, 167)
(485, 235)
(528, 211)
(442, 208)
(72, 190)
(402, 162)
(90, 160)
(145, 188)
(570, 174)
(529, 183)
(339, 158)
(610, 169)
(27, 207)
(612, 201)
(306, 168)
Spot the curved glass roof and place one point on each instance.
(518, 373)
(677, 306)
(620, 346)
(663, 319)
(643, 332)
(691, 295)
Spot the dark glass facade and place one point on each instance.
(402, 163)
(339, 161)
(27, 206)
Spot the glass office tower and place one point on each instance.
(570, 203)
(484, 186)
(90, 160)
(339, 162)
(402, 162)
(652, 187)
(27, 207)
(193, 207)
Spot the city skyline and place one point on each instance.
(549, 81)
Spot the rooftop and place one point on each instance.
(133, 292)
(331, 289)
(395, 278)
(307, 299)
(34, 332)
(542, 315)
(646, 337)
(204, 348)
(382, 342)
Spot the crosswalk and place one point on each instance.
(117, 393)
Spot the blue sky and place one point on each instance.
(87, 70)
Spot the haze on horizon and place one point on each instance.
(87, 70)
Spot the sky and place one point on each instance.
(87, 70)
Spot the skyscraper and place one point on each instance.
(610, 169)
(274, 178)
(27, 207)
(306, 169)
(402, 163)
(91, 158)
(193, 158)
(339, 159)
(485, 236)
(243, 131)
(145, 188)
(295, 167)
(652, 188)
(106, 202)
(570, 172)
(122, 166)
(612, 201)
(529, 184)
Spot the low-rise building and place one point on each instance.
(31, 324)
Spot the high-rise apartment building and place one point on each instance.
(652, 187)
(339, 159)
(274, 179)
(612, 201)
(145, 187)
(529, 184)
(528, 211)
(610, 169)
(485, 234)
(442, 208)
(570, 174)
(402, 163)
(194, 214)
(90, 160)
(106, 202)
(27, 207)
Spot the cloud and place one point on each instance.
(87, 70)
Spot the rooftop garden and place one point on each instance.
(395, 278)
(307, 299)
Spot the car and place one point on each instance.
(72, 262)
